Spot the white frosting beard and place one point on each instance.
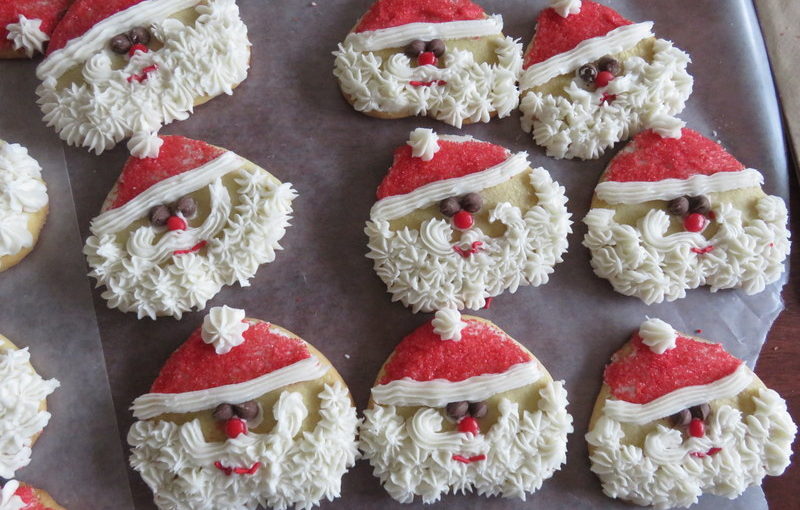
(22, 193)
(437, 277)
(143, 275)
(641, 261)
(297, 468)
(472, 93)
(22, 391)
(582, 126)
(207, 58)
(415, 458)
(664, 474)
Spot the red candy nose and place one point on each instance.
(137, 47)
(426, 58)
(696, 428)
(603, 78)
(234, 427)
(176, 223)
(463, 220)
(694, 222)
(469, 425)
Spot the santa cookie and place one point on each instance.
(459, 221)
(461, 406)
(678, 416)
(176, 228)
(26, 25)
(20, 496)
(446, 59)
(123, 68)
(672, 214)
(243, 414)
(592, 78)
(23, 407)
(23, 203)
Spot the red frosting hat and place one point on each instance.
(41, 15)
(392, 13)
(83, 15)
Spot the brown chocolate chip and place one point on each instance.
(609, 64)
(246, 410)
(587, 73)
(682, 418)
(457, 410)
(414, 48)
(678, 206)
(121, 44)
(699, 204)
(159, 215)
(449, 206)
(436, 46)
(223, 412)
(702, 411)
(478, 409)
(139, 35)
(186, 206)
(471, 202)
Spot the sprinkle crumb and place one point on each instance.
(313, 4)
(347, 356)
(698, 331)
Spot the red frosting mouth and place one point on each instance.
(237, 470)
(427, 83)
(469, 460)
(709, 453)
(194, 248)
(143, 74)
(474, 248)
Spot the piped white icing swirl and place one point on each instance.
(26, 34)
(22, 193)
(424, 143)
(447, 324)
(224, 327)
(566, 7)
(657, 335)
(144, 144)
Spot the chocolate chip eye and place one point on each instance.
(139, 35)
(471, 202)
(587, 73)
(246, 410)
(478, 409)
(457, 410)
(449, 206)
(121, 44)
(681, 418)
(436, 46)
(678, 206)
(702, 411)
(414, 48)
(186, 206)
(699, 204)
(609, 64)
(159, 215)
(223, 412)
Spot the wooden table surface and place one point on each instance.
(779, 364)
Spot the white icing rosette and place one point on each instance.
(223, 328)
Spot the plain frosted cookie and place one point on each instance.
(26, 25)
(678, 416)
(672, 214)
(446, 59)
(460, 406)
(23, 407)
(19, 496)
(243, 414)
(176, 228)
(458, 221)
(592, 78)
(119, 69)
(23, 203)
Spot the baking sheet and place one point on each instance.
(289, 117)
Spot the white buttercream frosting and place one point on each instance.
(658, 335)
(447, 324)
(297, 468)
(22, 391)
(144, 144)
(22, 193)
(399, 36)
(26, 34)
(667, 126)
(414, 457)
(224, 328)
(8, 499)
(424, 143)
(566, 7)
(641, 260)
(204, 59)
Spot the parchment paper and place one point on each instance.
(289, 117)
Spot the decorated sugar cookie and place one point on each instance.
(23, 203)
(176, 228)
(446, 59)
(460, 406)
(26, 25)
(243, 414)
(23, 407)
(678, 416)
(459, 221)
(121, 69)
(592, 78)
(20, 496)
(672, 214)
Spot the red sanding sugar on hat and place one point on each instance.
(393, 13)
(197, 366)
(453, 159)
(556, 34)
(651, 157)
(177, 155)
(424, 356)
(641, 375)
(48, 11)
(83, 15)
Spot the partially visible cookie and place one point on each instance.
(21, 496)
(26, 25)
(23, 203)
(23, 407)
(678, 416)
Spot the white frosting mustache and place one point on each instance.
(425, 427)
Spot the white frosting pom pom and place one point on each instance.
(424, 143)
(657, 335)
(223, 328)
(447, 324)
